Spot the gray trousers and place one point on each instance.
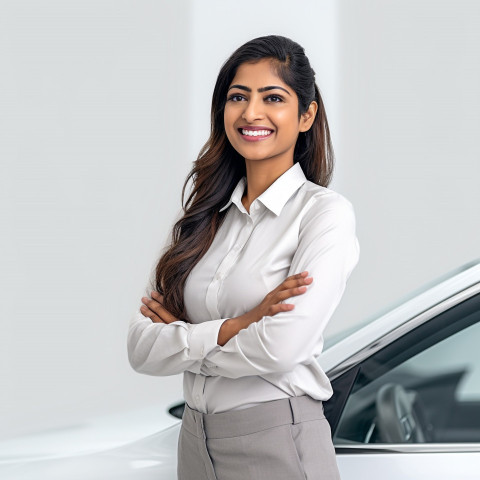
(286, 439)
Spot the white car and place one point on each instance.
(406, 401)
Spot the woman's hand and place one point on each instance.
(154, 309)
(270, 305)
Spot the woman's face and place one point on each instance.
(259, 101)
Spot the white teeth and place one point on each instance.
(256, 133)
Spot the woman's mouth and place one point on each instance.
(254, 135)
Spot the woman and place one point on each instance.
(259, 219)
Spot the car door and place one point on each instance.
(410, 409)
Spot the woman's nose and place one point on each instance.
(253, 111)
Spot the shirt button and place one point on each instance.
(197, 397)
(236, 248)
(202, 350)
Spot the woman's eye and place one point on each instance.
(235, 97)
(275, 98)
(270, 98)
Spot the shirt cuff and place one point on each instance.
(203, 338)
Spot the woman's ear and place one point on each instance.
(308, 117)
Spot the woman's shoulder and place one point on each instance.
(319, 198)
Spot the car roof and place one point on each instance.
(350, 342)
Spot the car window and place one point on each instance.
(425, 388)
(458, 353)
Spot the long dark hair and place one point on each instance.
(219, 167)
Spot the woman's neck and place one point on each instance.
(260, 175)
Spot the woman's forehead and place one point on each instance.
(257, 73)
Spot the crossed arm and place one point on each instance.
(327, 248)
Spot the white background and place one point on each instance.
(104, 105)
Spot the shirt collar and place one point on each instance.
(277, 194)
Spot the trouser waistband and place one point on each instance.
(253, 419)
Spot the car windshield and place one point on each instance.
(334, 338)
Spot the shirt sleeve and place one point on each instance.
(329, 250)
(163, 349)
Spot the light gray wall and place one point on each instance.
(94, 116)
(407, 142)
(103, 107)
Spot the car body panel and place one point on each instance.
(399, 466)
(152, 457)
(96, 434)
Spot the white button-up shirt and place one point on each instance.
(294, 225)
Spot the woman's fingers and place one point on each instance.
(291, 287)
(281, 307)
(165, 314)
(155, 310)
(151, 314)
(290, 292)
(297, 276)
(297, 281)
(293, 281)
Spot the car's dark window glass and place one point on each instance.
(423, 388)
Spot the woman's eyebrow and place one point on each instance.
(263, 89)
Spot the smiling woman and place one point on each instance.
(256, 115)
(259, 219)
